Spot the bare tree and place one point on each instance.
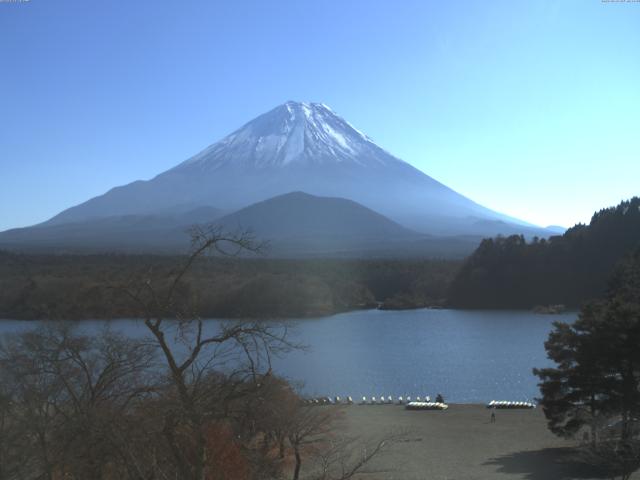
(13, 447)
(190, 401)
(346, 457)
(73, 393)
(307, 427)
(312, 432)
(194, 353)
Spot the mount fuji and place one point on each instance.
(296, 147)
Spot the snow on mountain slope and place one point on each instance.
(301, 133)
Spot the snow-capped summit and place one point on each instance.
(303, 147)
(292, 133)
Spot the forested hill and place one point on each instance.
(90, 286)
(569, 269)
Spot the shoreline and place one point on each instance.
(309, 316)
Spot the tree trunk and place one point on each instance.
(199, 468)
(625, 425)
(45, 456)
(296, 472)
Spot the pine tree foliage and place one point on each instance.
(596, 380)
(509, 272)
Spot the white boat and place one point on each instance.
(426, 406)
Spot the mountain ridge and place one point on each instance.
(294, 225)
(295, 147)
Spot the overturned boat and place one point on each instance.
(426, 406)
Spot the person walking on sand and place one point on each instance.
(493, 415)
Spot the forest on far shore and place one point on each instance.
(503, 273)
(509, 272)
(90, 286)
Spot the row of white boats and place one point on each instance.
(417, 403)
(382, 400)
(508, 404)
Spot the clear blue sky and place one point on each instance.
(530, 108)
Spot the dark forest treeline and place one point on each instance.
(86, 286)
(569, 269)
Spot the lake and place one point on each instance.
(469, 356)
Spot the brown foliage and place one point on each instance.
(225, 458)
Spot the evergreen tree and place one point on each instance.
(508, 272)
(597, 375)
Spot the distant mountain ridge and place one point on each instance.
(140, 233)
(297, 224)
(294, 225)
(300, 215)
(296, 147)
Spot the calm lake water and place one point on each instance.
(468, 356)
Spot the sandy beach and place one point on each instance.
(461, 443)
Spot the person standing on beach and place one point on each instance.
(493, 415)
